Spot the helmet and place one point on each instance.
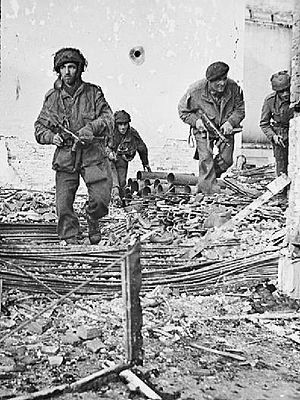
(69, 54)
(216, 70)
(122, 117)
(280, 81)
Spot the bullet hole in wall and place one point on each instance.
(137, 55)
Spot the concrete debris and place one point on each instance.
(94, 345)
(87, 333)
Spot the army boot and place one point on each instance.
(94, 230)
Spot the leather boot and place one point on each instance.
(94, 230)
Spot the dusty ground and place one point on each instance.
(268, 369)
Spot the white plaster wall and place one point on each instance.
(267, 50)
(180, 39)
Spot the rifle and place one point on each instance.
(211, 127)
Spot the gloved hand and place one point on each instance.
(115, 196)
(57, 140)
(111, 155)
(278, 140)
(85, 135)
(147, 168)
(227, 128)
(199, 125)
(297, 107)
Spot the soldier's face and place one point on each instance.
(284, 94)
(219, 84)
(122, 128)
(68, 72)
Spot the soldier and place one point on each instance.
(126, 142)
(275, 116)
(76, 118)
(218, 100)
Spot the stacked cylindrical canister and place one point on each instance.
(160, 182)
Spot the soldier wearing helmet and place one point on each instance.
(77, 119)
(123, 148)
(275, 117)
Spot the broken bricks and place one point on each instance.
(55, 361)
(94, 345)
(70, 338)
(39, 326)
(87, 332)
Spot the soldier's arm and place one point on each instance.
(239, 108)
(141, 148)
(42, 131)
(186, 111)
(265, 120)
(103, 124)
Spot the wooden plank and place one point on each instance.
(1, 286)
(273, 188)
(217, 352)
(136, 384)
(131, 285)
(77, 386)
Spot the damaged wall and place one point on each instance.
(268, 38)
(179, 40)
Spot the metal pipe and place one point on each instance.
(182, 179)
(181, 189)
(134, 187)
(141, 175)
(163, 188)
(145, 191)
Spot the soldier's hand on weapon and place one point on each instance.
(278, 140)
(85, 136)
(111, 155)
(297, 107)
(227, 128)
(115, 197)
(58, 140)
(200, 125)
(147, 168)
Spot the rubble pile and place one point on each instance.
(211, 324)
(195, 347)
(168, 225)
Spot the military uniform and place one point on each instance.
(275, 117)
(228, 107)
(86, 110)
(126, 146)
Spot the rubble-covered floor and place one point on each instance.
(229, 301)
(55, 349)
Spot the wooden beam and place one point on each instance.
(77, 386)
(131, 285)
(1, 287)
(273, 188)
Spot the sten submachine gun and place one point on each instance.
(66, 134)
(67, 131)
(211, 127)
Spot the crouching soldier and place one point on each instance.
(122, 149)
(275, 117)
(76, 118)
(211, 105)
